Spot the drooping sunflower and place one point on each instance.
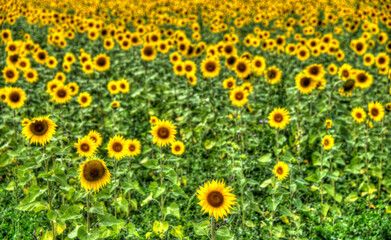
(163, 133)
(39, 130)
(177, 148)
(15, 97)
(95, 137)
(86, 147)
(101, 62)
(363, 79)
(328, 142)
(84, 99)
(242, 68)
(117, 147)
(61, 94)
(358, 114)
(347, 88)
(238, 96)
(281, 171)
(210, 67)
(94, 175)
(216, 199)
(279, 118)
(273, 75)
(329, 123)
(229, 83)
(153, 120)
(10, 74)
(376, 111)
(305, 83)
(134, 147)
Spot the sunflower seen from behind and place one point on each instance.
(39, 130)
(216, 199)
(279, 118)
(117, 147)
(163, 133)
(94, 175)
(281, 170)
(86, 147)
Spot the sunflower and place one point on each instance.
(94, 175)
(108, 43)
(216, 199)
(388, 107)
(363, 79)
(279, 118)
(15, 97)
(153, 120)
(31, 75)
(115, 104)
(242, 68)
(73, 88)
(229, 83)
(51, 62)
(305, 83)
(134, 147)
(258, 65)
(230, 61)
(179, 68)
(88, 67)
(177, 148)
(40, 56)
(303, 53)
(52, 85)
(95, 137)
(101, 62)
(60, 76)
(376, 111)
(192, 79)
(163, 133)
(210, 67)
(113, 87)
(238, 96)
(25, 121)
(190, 67)
(175, 57)
(345, 72)
(273, 75)
(123, 85)
(328, 142)
(382, 60)
(281, 170)
(86, 147)
(358, 114)
(84, 99)
(117, 147)
(148, 53)
(39, 130)
(10, 74)
(333, 69)
(316, 71)
(61, 94)
(3, 94)
(359, 46)
(329, 123)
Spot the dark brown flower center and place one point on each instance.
(358, 115)
(177, 148)
(272, 74)
(258, 63)
(215, 199)
(362, 77)
(239, 95)
(278, 117)
(241, 67)
(93, 170)
(345, 73)
(280, 170)
(326, 142)
(10, 73)
(210, 66)
(148, 51)
(132, 148)
(305, 82)
(84, 99)
(359, 46)
(117, 147)
(39, 127)
(85, 147)
(15, 97)
(61, 93)
(314, 70)
(375, 112)
(101, 62)
(163, 133)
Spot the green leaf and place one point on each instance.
(265, 158)
(325, 210)
(174, 210)
(172, 176)
(132, 230)
(150, 163)
(177, 232)
(72, 213)
(223, 234)
(202, 228)
(109, 220)
(97, 209)
(313, 178)
(147, 200)
(266, 183)
(353, 196)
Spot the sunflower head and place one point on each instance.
(376, 111)
(134, 147)
(163, 133)
(328, 123)
(117, 147)
(114, 104)
(177, 148)
(39, 130)
(15, 97)
(95, 137)
(279, 118)
(153, 120)
(216, 199)
(281, 170)
(358, 114)
(328, 142)
(94, 175)
(86, 147)
(239, 96)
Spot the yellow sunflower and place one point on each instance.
(73, 88)
(363, 79)
(328, 142)
(117, 147)
(39, 130)
(134, 147)
(25, 121)
(216, 199)
(258, 65)
(153, 120)
(61, 94)
(229, 83)
(10, 74)
(177, 148)
(15, 97)
(101, 62)
(210, 67)
(305, 83)
(113, 87)
(242, 68)
(316, 71)
(84, 99)
(273, 75)
(95, 137)
(376, 111)
(329, 123)
(281, 170)
(148, 53)
(86, 147)
(31, 75)
(163, 133)
(238, 96)
(358, 114)
(115, 104)
(279, 118)
(123, 85)
(94, 175)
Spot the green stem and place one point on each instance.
(161, 184)
(212, 227)
(115, 188)
(88, 213)
(321, 179)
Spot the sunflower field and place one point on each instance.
(195, 119)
